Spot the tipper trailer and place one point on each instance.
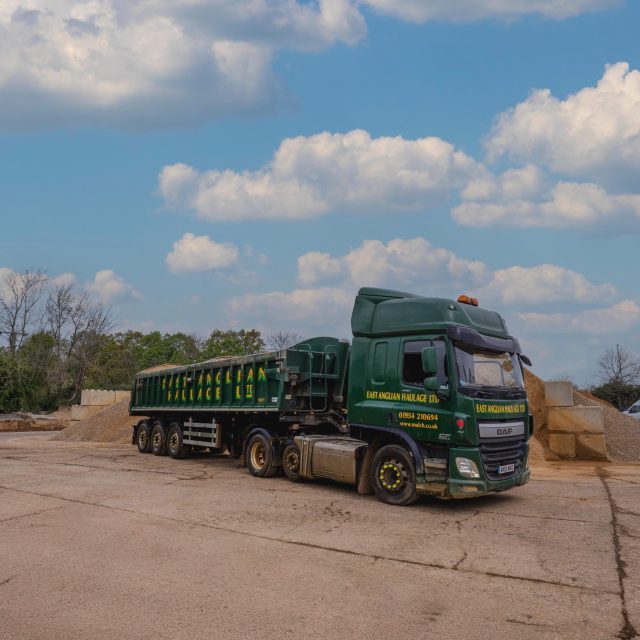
(428, 398)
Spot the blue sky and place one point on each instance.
(214, 164)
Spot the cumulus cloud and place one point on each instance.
(323, 308)
(109, 287)
(417, 265)
(544, 284)
(64, 279)
(327, 283)
(617, 319)
(320, 174)
(468, 10)
(154, 62)
(398, 263)
(594, 133)
(565, 204)
(200, 253)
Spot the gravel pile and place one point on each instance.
(111, 425)
(621, 433)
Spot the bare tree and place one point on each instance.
(282, 340)
(618, 366)
(619, 373)
(19, 297)
(78, 325)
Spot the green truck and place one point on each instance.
(428, 398)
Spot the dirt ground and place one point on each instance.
(99, 541)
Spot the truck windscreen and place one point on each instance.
(478, 368)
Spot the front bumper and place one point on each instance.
(455, 486)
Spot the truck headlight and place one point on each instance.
(467, 468)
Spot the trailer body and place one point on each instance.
(428, 398)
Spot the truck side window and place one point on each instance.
(412, 372)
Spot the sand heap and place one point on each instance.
(111, 425)
(621, 432)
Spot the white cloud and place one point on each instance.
(617, 319)
(63, 279)
(325, 309)
(200, 253)
(544, 284)
(566, 204)
(5, 272)
(108, 286)
(418, 266)
(399, 263)
(468, 10)
(153, 62)
(594, 133)
(312, 176)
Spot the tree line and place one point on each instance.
(56, 339)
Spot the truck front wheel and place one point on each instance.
(291, 462)
(260, 457)
(393, 475)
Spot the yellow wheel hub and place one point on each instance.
(392, 475)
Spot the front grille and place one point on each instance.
(497, 454)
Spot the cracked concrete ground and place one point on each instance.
(98, 541)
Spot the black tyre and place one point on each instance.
(291, 462)
(393, 475)
(260, 457)
(175, 447)
(143, 438)
(158, 440)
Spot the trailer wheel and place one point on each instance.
(143, 438)
(260, 457)
(175, 446)
(393, 475)
(291, 462)
(158, 440)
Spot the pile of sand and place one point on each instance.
(111, 425)
(621, 432)
(539, 444)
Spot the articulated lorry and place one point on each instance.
(428, 398)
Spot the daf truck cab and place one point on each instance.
(436, 391)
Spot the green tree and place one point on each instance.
(16, 384)
(232, 343)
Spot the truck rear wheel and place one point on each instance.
(158, 440)
(175, 447)
(143, 437)
(291, 462)
(393, 475)
(260, 457)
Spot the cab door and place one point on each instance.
(424, 415)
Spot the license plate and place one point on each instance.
(506, 468)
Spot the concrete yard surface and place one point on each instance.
(99, 541)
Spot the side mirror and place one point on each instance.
(525, 359)
(429, 361)
(432, 383)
